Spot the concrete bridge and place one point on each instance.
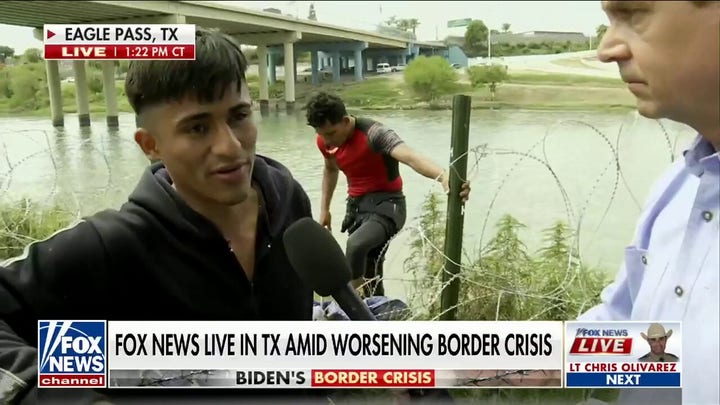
(273, 34)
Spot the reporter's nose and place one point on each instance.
(613, 47)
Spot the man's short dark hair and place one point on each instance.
(324, 108)
(219, 63)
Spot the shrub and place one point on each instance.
(488, 75)
(32, 55)
(28, 86)
(506, 282)
(430, 78)
(5, 83)
(276, 90)
(95, 82)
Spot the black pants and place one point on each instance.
(372, 220)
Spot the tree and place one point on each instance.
(408, 24)
(311, 13)
(6, 52)
(488, 75)
(32, 55)
(399, 27)
(430, 78)
(476, 39)
(403, 24)
(27, 85)
(506, 28)
(392, 21)
(601, 30)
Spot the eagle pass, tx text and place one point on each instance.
(119, 42)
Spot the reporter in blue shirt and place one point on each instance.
(669, 54)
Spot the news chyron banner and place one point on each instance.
(623, 354)
(297, 354)
(119, 42)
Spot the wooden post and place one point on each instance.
(455, 209)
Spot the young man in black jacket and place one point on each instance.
(200, 238)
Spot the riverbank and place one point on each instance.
(524, 90)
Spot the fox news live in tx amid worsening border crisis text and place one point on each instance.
(119, 41)
(72, 354)
(297, 354)
(623, 354)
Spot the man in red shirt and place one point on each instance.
(368, 153)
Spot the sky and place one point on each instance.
(576, 16)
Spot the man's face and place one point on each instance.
(335, 135)
(668, 53)
(657, 345)
(208, 149)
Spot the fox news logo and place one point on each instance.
(71, 354)
(601, 332)
(601, 341)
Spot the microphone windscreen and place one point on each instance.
(316, 256)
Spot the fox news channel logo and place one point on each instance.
(623, 354)
(72, 354)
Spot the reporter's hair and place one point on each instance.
(219, 63)
(323, 108)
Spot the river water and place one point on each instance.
(538, 166)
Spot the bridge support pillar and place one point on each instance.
(52, 70)
(288, 40)
(289, 76)
(262, 54)
(295, 61)
(271, 68)
(111, 103)
(81, 93)
(336, 66)
(358, 65)
(314, 62)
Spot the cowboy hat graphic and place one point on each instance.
(656, 331)
(657, 338)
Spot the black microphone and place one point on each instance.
(320, 262)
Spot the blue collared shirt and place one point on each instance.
(670, 273)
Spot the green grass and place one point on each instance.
(564, 79)
(96, 103)
(383, 94)
(557, 97)
(573, 63)
(25, 221)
